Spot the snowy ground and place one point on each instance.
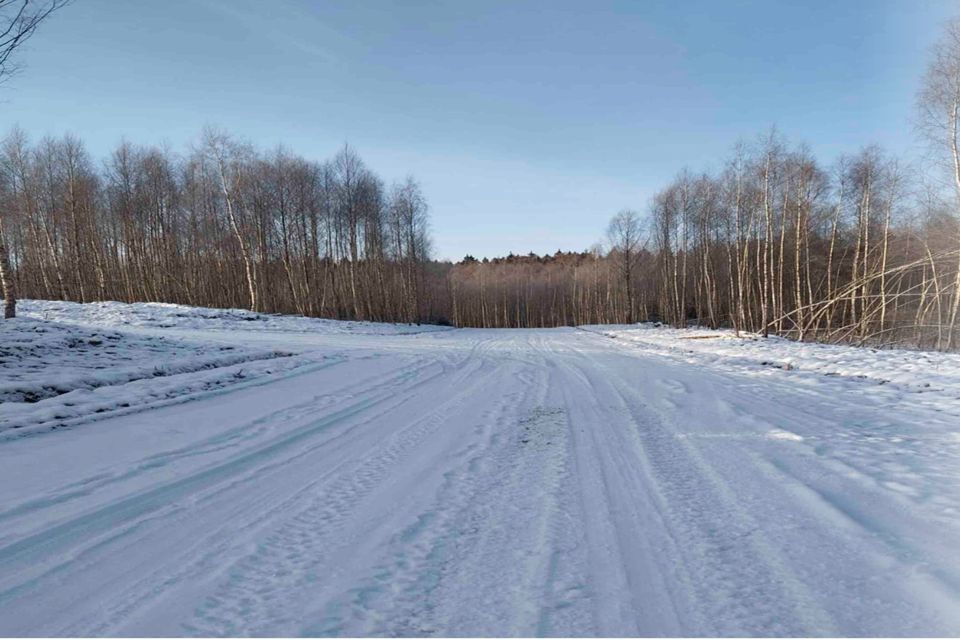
(935, 374)
(181, 318)
(54, 374)
(543, 482)
(63, 364)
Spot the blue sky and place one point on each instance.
(528, 123)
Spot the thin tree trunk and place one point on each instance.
(7, 282)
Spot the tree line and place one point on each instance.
(772, 243)
(224, 225)
(865, 250)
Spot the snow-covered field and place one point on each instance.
(403, 480)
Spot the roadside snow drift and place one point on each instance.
(937, 375)
(40, 360)
(51, 372)
(179, 317)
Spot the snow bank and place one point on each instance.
(936, 374)
(52, 372)
(40, 360)
(62, 363)
(162, 315)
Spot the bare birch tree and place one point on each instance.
(625, 241)
(939, 107)
(19, 20)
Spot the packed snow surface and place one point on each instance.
(403, 480)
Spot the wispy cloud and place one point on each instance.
(287, 26)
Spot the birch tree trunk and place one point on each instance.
(7, 282)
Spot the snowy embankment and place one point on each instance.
(54, 374)
(160, 315)
(935, 375)
(62, 363)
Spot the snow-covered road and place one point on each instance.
(543, 482)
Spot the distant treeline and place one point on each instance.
(864, 251)
(772, 243)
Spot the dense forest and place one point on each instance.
(864, 250)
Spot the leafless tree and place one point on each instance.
(939, 107)
(624, 234)
(19, 19)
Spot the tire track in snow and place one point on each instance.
(739, 582)
(26, 563)
(631, 591)
(394, 597)
(225, 440)
(489, 536)
(503, 549)
(259, 516)
(255, 598)
(836, 544)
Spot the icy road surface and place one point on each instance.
(548, 482)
